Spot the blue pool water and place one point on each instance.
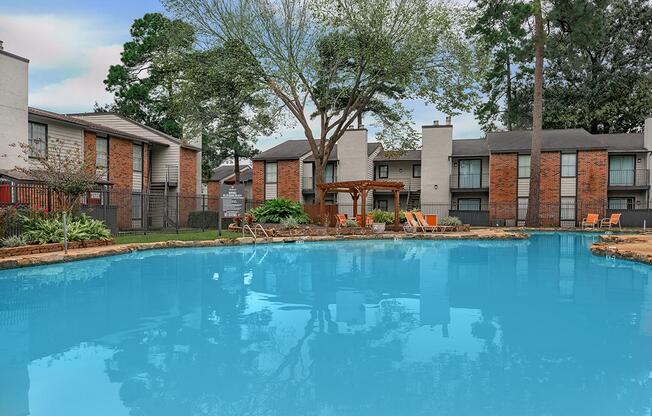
(537, 327)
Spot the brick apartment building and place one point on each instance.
(484, 181)
(145, 170)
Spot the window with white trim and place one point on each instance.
(38, 140)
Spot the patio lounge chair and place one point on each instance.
(433, 221)
(614, 220)
(369, 222)
(411, 225)
(341, 220)
(591, 221)
(424, 224)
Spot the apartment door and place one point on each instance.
(470, 173)
(621, 170)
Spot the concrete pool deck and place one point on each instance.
(92, 252)
(636, 247)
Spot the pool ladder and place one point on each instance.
(253, 230)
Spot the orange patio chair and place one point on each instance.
(411, 224)
(341, 220)
(369, 222)
(423, 223)
(614, 220)
(591, 221)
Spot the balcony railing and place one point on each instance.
(411, 184)
(308, 182)
(629, 177)
(469, 181)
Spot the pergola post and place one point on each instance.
(363, 205)
(354, 197)
(396, 202)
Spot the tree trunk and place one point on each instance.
(508, 93)
(236, 167)
(532, 219)
(318, 178)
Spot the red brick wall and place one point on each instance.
(549, 196)
(213, 196)
(503, 171)
(258, 180)
(121, 176)
(592, 178)
(89, 151)
(188, 199)
(288, 180)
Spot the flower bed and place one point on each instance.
(50, 248)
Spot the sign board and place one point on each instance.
(233, 200)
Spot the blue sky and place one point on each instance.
(72, 43)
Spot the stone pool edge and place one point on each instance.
(116, 249)
(637, 247)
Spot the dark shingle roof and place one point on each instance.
(224, 171)
(295, 149)
(407, 155)
(567, 139)
(470, 147)
(84, 124)
(623, 142)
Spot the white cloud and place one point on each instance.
(70, 54)
(79, 93)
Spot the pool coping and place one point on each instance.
(116, 249)
(633, 247)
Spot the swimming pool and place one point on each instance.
(532, 327)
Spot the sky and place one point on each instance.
(72, 43)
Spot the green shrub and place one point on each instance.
(381, 216)
(349, 223)
(202, 219)
(289, 223)
(449, 221)
(50, 230)
(275, 210)
(13, 241)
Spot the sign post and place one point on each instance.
(232, 202)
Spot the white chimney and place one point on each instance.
(436, 152)
(448, 120)
(13, 109)
(352, 162)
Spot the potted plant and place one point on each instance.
(381, 218)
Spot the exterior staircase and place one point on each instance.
(413, 200)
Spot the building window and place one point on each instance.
(468, 204)
(567, 209)
(470, 173)
(101, 152)
(568, 164)
(38, 140)
(416, 171)
(381, 204)
(329, 173)
(621, 170)
(624, 203)
(523, 166)
(383, 171)
(137, 157)
(136, 206)
(270, 172)
(522, 208)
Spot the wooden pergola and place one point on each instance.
(360, 189)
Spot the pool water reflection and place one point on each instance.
(537, 327)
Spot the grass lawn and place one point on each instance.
(182, 236)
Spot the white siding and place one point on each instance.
(161, 158)
(62, 138)
(568, 186)
(401, 171)
(523, 187)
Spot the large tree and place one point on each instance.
(221, 94)
(144, 84)
(330, 61)
(532, 218)
(500, 30)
